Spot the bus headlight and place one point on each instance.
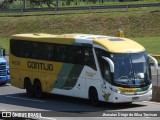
(150, 88)
(114, 89)
(8, 72)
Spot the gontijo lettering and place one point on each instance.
(39, 65)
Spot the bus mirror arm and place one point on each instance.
(2, 51)
(154, 61)
(111, 64)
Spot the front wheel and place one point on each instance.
(2, 84)
(93, 97)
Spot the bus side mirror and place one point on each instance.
(154, 61)
(3, 52)
(111, 64)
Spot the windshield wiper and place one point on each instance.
(128, 85)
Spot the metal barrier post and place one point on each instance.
(157, 78)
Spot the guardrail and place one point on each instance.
(79, 8)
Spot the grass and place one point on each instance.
(4, 43)
(140, 24)
(135, 22)
(152, 44)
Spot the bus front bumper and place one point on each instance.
(122, 98)
(4, 79)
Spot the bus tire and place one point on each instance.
(29, 87)
(93, 96)
(3, 84)
(38, 89)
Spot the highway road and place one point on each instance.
(15, 99)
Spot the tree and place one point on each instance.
(5, 3)
(40, 2)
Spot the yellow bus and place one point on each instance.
(94, 67)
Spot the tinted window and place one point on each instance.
(48, 51)
(104, 66)
(89, 58)
(53, 52)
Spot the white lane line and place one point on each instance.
(25, 99)
(47, 118)
(154, 74)
(151, 102)
(2, 111)
(148, 117)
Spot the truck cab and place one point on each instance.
(4, 68)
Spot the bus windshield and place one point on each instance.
(131, 69)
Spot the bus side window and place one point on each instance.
(89, 58)
(34, 50)
(50, 53)
(61, 53)
(23, 46)
(79, 56)
(104, 65)
(75, 55)
(72, 55)
(24, 50)
(106, 71)
(47, 51)
(15, 46)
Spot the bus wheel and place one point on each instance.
(93, 97)
(29, 88)
(38, 89)
(2, 84)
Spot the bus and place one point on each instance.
(94, 67)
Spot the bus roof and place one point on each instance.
(111, 44)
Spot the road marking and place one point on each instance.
(25, 99)
(47, 118)
(2, 111)
(154, 74)
(151, 102)
(148, 117)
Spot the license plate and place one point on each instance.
(135, 98)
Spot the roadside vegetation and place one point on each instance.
(17, 4)
(139, 24)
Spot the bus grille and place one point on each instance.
(2, 69)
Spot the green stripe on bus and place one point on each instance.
(63, 75)
(68, 76)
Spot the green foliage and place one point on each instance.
(63, 4)
(150, 43)
(41, 2)
(68, 2)
(5, 3)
